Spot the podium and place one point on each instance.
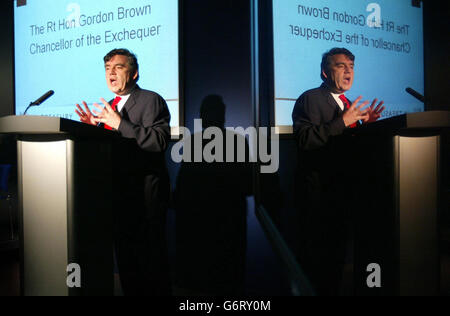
(64, 181)
(396, 221)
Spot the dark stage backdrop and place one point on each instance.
(217, 61)
(437, 67)
(6, 59)
(216, 58)
(226, 66)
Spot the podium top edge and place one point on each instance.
(30, 125)
(430, 120)
(44, 125)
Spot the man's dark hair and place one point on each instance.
(131, 58)
(326, 57)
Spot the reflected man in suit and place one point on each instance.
(140, 178)
(324, 168)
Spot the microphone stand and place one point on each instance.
(31, 104)
(40, 100)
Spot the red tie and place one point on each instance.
(114, 107)
(347, 106)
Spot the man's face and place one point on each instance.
(339, 74)
(119, 76)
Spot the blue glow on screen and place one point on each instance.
(382, 72)
(149, 28)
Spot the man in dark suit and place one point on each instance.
(140, 178)
(325, 196)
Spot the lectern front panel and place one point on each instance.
(418, 178)
(43, 189)
(65, 187)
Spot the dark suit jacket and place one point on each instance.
(321, 188)
(140, 154)
(318, 124)
(317, 117)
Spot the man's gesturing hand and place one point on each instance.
(107, 115)
(86, 115)
(374, 112)
(356, 113)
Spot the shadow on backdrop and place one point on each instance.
(211, 215)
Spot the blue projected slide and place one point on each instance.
(60, 45)
(386, 36)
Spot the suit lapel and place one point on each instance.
(330, 100)
(131, 102)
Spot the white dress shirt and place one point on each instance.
(123, 100)
(339, 101)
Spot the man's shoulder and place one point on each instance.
(313, 100)
(318, 92)
(143, 93)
